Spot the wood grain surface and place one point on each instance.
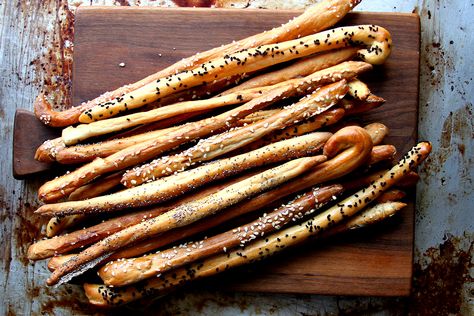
(378, 262)
(375, 262)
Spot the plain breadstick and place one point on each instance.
(376, 39)
(262, 248)
(72, 135)
(313, 20)
(178, 184)
(220, 144)
(183, 215)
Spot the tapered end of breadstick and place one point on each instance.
(93, 294)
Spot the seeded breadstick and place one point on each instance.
(170, 237)
(222, 143)
(261, 248)
(300, 68)
(326, 118)
(86, 153)
(313, 20)
(128, 271)
(358, 89)
(376, 39)
(72, 135)
(354, 155)
(55, 189)
(56, 225)
(183, 215)
(391, 195)
(382, 152)
(178, 184)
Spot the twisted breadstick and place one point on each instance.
(128, 271)
(183, 215)
(178, 184)
(313, 20)
(376, 39)
(215, 146)
(262, 248)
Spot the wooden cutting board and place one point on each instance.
(377, 261)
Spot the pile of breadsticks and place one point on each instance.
(219, 141)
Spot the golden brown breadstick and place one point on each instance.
(381, 153)
(326, 118)
(367, 217)
(354, 107)
(183, 215)
(72, 135)
(56, 225)
(358, 89)
(262, 248)
(55, 189)
(377, 131)
(220, 144)
(178, 184)
(321, 194)
(314, 19)
(391, 195)
(376, 39)
(124, 272)
(300, 68)
(87, 153)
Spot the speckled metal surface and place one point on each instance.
(35, 51)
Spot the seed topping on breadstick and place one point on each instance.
(376, 39)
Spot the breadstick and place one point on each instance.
(72, 135)
(177, 184)
(215, 146)
(378, 131)
(355, 107)
(55, 189)
(321, 194)
(357, 155)
(367, 217)
(128, 271)
(314, 123)
(261, 248)
(381, 153)
(358, 89)
(300, 68)
(376, 39)
(314, 19)
(86, 153)
(391, 195)
(183, 215)
(58, 224)
(295, 86)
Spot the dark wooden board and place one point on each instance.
(375, 262)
